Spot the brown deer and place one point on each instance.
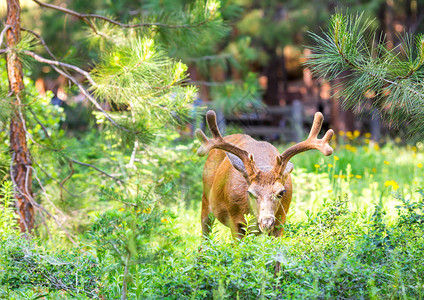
(242, 176)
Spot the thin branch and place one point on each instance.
(66, 157)
(212, 83)
(15, 191)
(45, 192)
(87, 19)
(3, 32)
(67, 178)
(38, 205)
(210, 57)
(41, 41)
(95, 168)
(39, 122)
(55, 180)
(61, 64)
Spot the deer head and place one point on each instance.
(266, 185)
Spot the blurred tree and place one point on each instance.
(132, 71)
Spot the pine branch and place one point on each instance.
(87, 19)
(92, 100)
(60, 64)
(41, 41)
(394, 76)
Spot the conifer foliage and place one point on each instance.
(133, 72)
(392, 77)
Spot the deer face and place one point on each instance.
(266, 192)
(266, 188)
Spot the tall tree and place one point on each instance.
(132, 72)
(21, 171)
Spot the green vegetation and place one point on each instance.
(371, 69)
(355, 229)
(117, 204)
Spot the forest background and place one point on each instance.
(111, 191)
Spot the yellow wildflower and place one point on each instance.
(358, 176)
(336, 158)
(392, 183)
(138, 211)
(374, 170)
(336, 176)
(163, 220)
(367, 141)
(342, 176)
(420, 165)
(341, 133)
(330, 191)
(376, 147)
(367, 135)
(316, 165)
(386, 162)
(356, 133)
(414, 149)
(146, 210)
(351, 175)
(121, 209)
(330, 165)
(349, 135)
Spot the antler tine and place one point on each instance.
(316, 125)
(312, 142)
(218, 142)
(213, 126)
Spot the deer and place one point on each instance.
(244, 176)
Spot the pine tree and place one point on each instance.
(392, 77)
(132, 72)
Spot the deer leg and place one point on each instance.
(207, 218)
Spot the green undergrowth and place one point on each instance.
(355, 230)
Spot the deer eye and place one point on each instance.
(281, 193)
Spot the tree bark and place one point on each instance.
(21, 171)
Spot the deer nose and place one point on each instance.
(267, 224)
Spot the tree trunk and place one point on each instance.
(272, 94)
(21, 160)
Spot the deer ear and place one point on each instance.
(237, 163)
(289, 168)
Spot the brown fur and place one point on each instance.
(243, 176)
(225, 189)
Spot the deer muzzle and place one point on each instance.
(266, 224)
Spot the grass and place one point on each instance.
(353, 231)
